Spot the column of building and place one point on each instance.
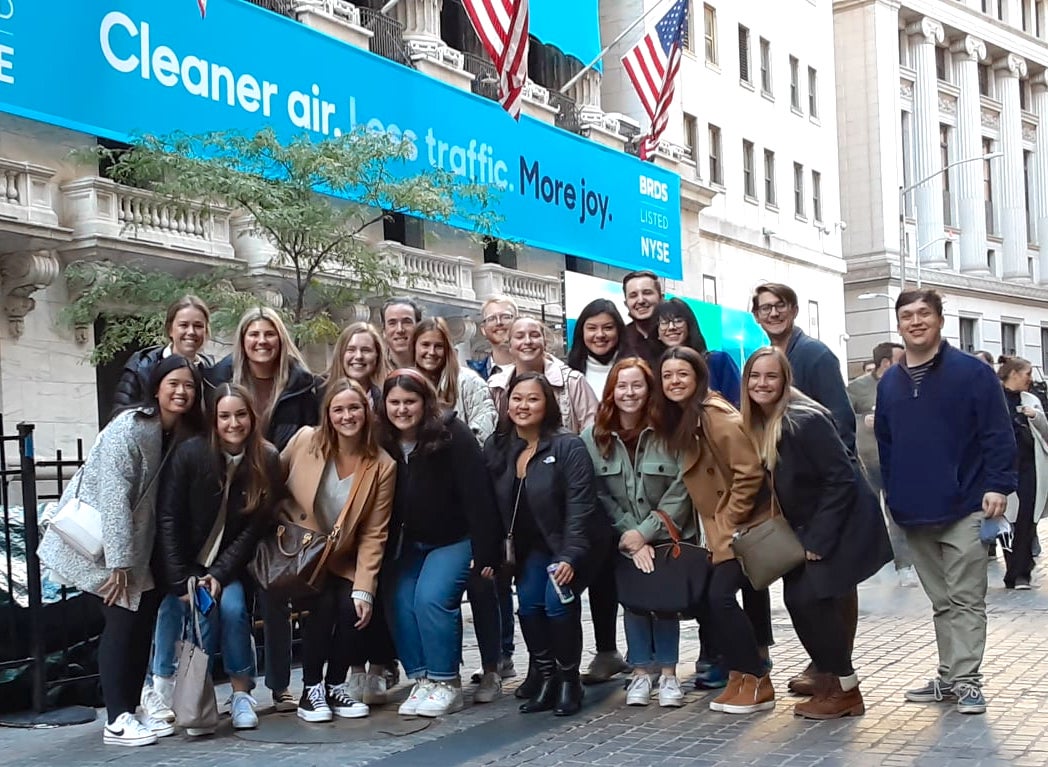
(1013, 193)
(421, 19)
(967, 53)
(1039, 179)
(928, 194)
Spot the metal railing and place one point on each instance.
(283, 7)
(485, 77)
(388, 38)
(567, 111)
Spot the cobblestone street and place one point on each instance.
(895, 650)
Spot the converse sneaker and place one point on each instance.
(374, 693)
(970, 699)
(313, 705)
(490, 688)
(158, 727)
(443, 698)
(418, 694)
(127, 731)
(155, 703)
(242, 711)
(670, 693)
(284, 701)
(343, 705)
(639, 691)
(935, 691)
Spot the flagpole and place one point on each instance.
(388, 6)
(607, 48)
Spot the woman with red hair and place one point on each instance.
(639, 485)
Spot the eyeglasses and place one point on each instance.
(671, 322)
(765, 310)
(497, 319)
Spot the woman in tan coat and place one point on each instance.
(725, 480)
(340, 483)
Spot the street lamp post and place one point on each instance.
(902, 213)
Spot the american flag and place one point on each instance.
(652, 66)
(502, 26)
(202, 4)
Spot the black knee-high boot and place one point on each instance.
(566, 633)
(542, 691)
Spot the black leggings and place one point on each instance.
(123, 653)
(729, 627)
(1019, 561)
(328, 633)
(374, 643)
(604, 605)
(822, 627)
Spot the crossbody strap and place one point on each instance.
(726, 472)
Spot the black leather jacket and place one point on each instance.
(188, 502)
(133, 386)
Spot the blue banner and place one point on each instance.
(117, 68)
(573, 27)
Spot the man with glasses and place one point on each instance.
(816, 369)
(399, 317)
(496, 316)
(947, 451)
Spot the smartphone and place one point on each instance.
(204, 600)
(564, 593)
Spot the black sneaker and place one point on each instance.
(313, 705)
(343, 704)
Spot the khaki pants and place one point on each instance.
(951, 563)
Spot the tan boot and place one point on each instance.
(731, 689)
(831, 701)
(755, 694)
(804, 682)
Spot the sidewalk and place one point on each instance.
(894, 650)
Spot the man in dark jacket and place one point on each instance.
(816, 369)
(643, 293)
(947, 454)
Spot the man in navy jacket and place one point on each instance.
(948, 461)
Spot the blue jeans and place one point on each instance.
(535, 593)
(170, 627)
(227, 628)
(652, 642)
(425, 596)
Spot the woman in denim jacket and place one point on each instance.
(637, 477)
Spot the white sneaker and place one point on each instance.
(154, 705)
(242, 711)
(670, 694)
(639, 691)
(356, 684)
(343, 705)
(490, 688)
(374, 690)
(199, 732)
(443, 699)
(158, 727)
(418, 694)
(127, 731)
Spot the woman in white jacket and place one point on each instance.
(1027, 505)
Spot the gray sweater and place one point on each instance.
(114, 477)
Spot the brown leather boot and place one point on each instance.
(731, 689)
(755, 694)
(804, 682)
(831, 701)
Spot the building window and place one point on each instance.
(813, 319)
(795, 86)
(991, 261)
(941, 71)
(1024, 13)
(1038, 17)
(904, 48)
(691, 137)
(816, 195)
(744, 54)
(798, 190)
(991, 224)
(813, 92)
(907, 159)
(1031, 228)
(1009, 339)
(769, 178)
(748, 185)
(967, 338)
(947, 249)
(985, 78)
(765, 67)
(709, 289)
(1044, 349)
(716, 173)
(710, 31)
(944, 151)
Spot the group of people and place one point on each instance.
(433, 483)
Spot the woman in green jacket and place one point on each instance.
(637, 476)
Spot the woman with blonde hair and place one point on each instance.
(834, 513)
(266, 362)
(341, 483)
(458, 388)
(360, 354)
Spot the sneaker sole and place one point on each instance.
(348, 713)
(714, 706)
(434, 714)
(315, 716)
(284, 708)
(163, 733)
(405, 710)
(853, 711)
(199, 732)
(728, 708)
(118, 741)
(971, 709)
(637, 702)
(671, 702)
(929, 699)
(246, 726)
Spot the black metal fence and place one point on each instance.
(283, 7)
(47, 631)
(388, 38)
(485, 77)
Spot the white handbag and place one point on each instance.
(79, 525)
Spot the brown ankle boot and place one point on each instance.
(755, 694)
(731, 689)
(830, 701)
(804, 682)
